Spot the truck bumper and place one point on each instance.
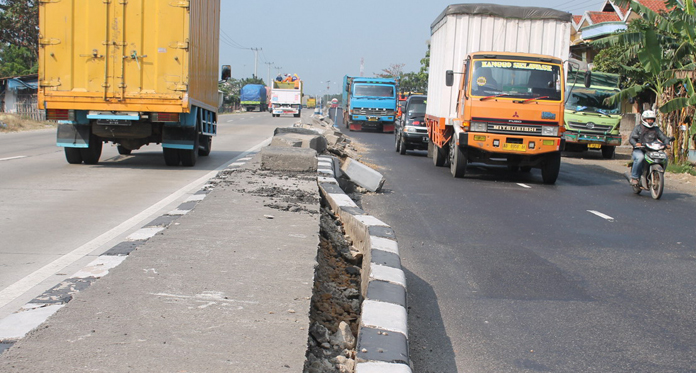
(582, 138)
(511, 144)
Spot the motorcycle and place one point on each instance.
(654, 166)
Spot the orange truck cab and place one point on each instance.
(510, 112)
(496, 87)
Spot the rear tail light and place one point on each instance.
(165, 117)
(60, 115)
(416, 123)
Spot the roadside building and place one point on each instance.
(18, 95)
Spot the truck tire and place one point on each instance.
(73, 155)
(608, 152)
(457, 159)
(439, 156)
(397, 142)
(189, 157)
(206, 144)
(551, 168)
(171, 157)
(91, 154)
(123, 151)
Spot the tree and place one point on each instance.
(663, 44)
(19, 37)
(395, 70)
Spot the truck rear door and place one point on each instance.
(112, 50)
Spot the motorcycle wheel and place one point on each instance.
(656, 181)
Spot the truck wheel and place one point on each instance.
(190, 156)
(608, 152)
(123, 151)
(171, 157)
(73, 155)
(457, 159)
(439, 156)
(550, 168)
(91, 154)
(205, 146)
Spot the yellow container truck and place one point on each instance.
(131, 73)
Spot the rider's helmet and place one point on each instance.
(648, 114)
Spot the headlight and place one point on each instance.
(411, 129)
(549, 130)
(479, 127)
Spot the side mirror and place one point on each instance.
(588, 78)
(226, 72)
(449, 78)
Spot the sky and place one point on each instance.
(323, 40)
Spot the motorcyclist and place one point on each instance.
(647, 132)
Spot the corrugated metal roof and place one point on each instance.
(504, 11)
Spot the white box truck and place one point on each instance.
(496, 87)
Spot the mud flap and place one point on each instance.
(72, 135)
(178, 137)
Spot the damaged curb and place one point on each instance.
(383, 332)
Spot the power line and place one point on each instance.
(581, 6)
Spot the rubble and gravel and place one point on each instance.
(335, 306)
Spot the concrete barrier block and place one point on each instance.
(363, 175)
(289, 159)
(297, 140)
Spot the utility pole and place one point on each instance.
(362, 66)
(256, 60)
(269, 72)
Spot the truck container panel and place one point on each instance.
(466, 28)
(136, 55)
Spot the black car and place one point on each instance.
(410, 132)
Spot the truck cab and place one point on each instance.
(509, 112)
(590, 121)
(369, 103)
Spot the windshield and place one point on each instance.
(588, 99)
(416, 108)
(373, 90)
(517, 79)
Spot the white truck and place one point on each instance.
(286, 98)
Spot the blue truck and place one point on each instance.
(369, 103)
(253, 97)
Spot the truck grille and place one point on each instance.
(590, 127)
(514, 129)
(370, 111)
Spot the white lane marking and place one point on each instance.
(11, 158)
(144, 233)
(17, 289)
(603, 216)
(17, 325)
(100, 266)
(524, 185)
(196, 197)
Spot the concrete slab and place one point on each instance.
(289, 159)
(363, 175)
(226, 290)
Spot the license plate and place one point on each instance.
(594, 146)
(372, 119)
(515, 147)
(114, 122)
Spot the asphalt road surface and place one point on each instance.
(506, 274)
(56, 217)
